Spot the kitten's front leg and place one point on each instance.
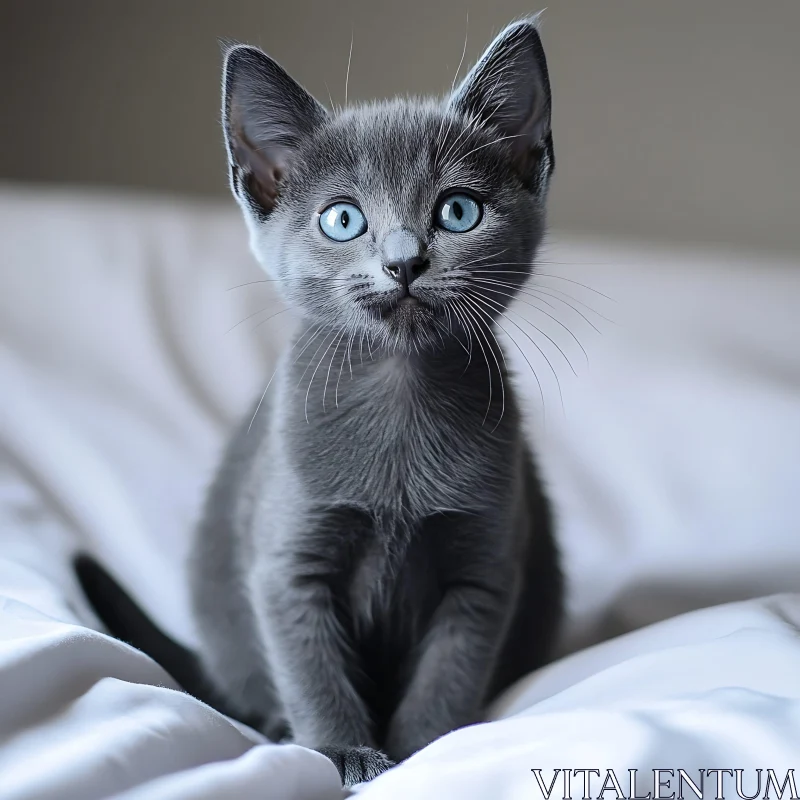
(448, 687)
(311, 658)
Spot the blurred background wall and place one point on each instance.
(673, 120)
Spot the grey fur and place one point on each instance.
(376, 559)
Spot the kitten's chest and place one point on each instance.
(390, 607)
(396, 575)
(392, 445)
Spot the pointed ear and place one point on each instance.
(265, 116)
(509, 90)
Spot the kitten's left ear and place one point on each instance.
(509, 90)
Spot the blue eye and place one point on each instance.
(342, 222)
(458, 213)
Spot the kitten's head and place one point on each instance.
(404, 220)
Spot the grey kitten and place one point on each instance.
(376, 560)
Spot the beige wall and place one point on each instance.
(678, 119)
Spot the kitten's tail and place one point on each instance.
(126, 621)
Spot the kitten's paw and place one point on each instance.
(277, 729)
(357, 764)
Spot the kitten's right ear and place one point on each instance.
(266, 114)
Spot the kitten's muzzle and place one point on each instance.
(404, 257)
(406, 271)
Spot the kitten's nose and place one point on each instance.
(404, 257)
(406, 271)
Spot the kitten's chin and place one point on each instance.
(407, 307)
(411, 322)
(410, 314)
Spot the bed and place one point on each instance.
(133, 334)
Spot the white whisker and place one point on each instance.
(277, 367)
(499, 371)
(349, 59)
(543, 354)
(542, 311)
(327, 377)
(441, 138)
(486, 358)
(313, 374)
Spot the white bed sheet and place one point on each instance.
(674, 465)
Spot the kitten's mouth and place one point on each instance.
(404, 306)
